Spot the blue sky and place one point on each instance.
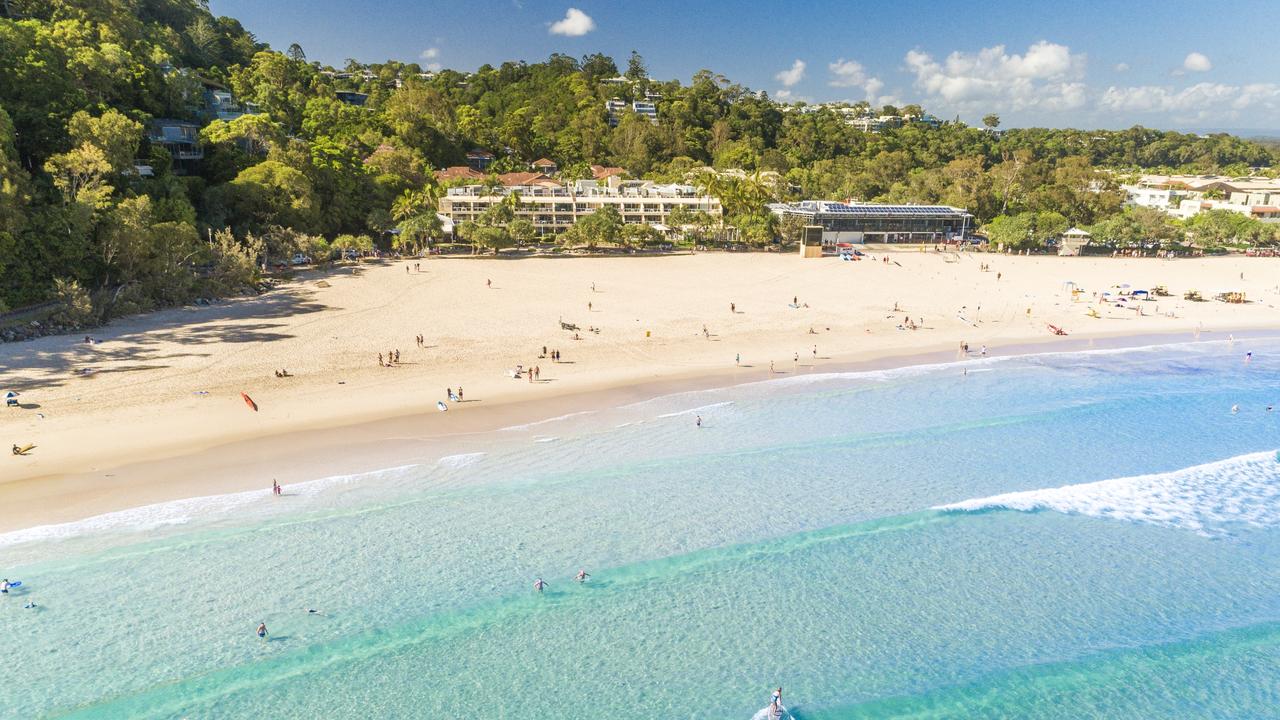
(1169, 64)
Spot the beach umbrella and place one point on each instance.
(10, 394)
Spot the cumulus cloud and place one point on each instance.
(1045, 77)
(1197, 103)
(430, 53)
(574, 24)
(851, 74)
(792, 75)
(847, 73)
(1197, 62)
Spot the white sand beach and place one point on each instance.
(152, 410)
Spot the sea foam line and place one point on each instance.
(558, 418)
(176, 512)
(1203, 498)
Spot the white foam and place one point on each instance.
(699, 409)
(557, 418)
(546, 439)
(177, 512)
(1203, 498)
(453, 462)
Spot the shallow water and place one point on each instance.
(1073, 535)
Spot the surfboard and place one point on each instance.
(24, 450)
(441, 406)
(14, 584)
(249, 401)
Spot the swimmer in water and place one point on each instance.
(539, 584)
(1235, 409)
(313, 611)
(31, 605)
(262, 630)
(582, 576)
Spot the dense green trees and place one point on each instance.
(81, 81)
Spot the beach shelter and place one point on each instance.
(1072, 241)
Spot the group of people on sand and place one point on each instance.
(553, 354)
(282, 373)
(422, 341)
(454, 397)
(393, 357)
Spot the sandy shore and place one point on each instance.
(159, 416)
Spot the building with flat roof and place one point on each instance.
(553, 207)
(872, 222)
(180, 138)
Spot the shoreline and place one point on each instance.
(372, 445)
(151, 410)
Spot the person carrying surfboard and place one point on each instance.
(4, 587)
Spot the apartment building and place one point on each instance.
(553, 207)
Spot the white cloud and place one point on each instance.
(847, 73)
(1197, 62)
(782, 95)
(1198, 103)
(430, 53)
(1045, 77)
(1121, 67)
(574, 24)
(851, 74)
(793, 75)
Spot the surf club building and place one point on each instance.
(834, 223)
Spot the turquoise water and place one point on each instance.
(1059, 536)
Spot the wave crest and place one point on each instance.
(1206, 499)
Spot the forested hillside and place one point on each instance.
(94, 211)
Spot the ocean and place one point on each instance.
(1067, 535)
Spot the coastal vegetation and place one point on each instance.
(95, 208)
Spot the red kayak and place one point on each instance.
(249, 401)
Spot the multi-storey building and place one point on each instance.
(553, 207)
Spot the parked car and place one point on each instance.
(300, 259)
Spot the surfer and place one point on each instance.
(275, 487)
(582, 576)
(313, 611)
(776, 701)
(539, 584)
(4, 587)
(262, 630)
(31, 605)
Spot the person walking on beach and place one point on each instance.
(737, 358)
(380, 360)
(488, 284)
(459, 393)
(582, 576)
(698, 421)
(733, 307)
(983, 351)
(275, 487)
(262, 630)
(815, 352)
(539, 584)
(588, 306)
(771, 370)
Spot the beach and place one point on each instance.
(152, 409)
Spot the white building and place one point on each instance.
(553, 207)
(1185, 196)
